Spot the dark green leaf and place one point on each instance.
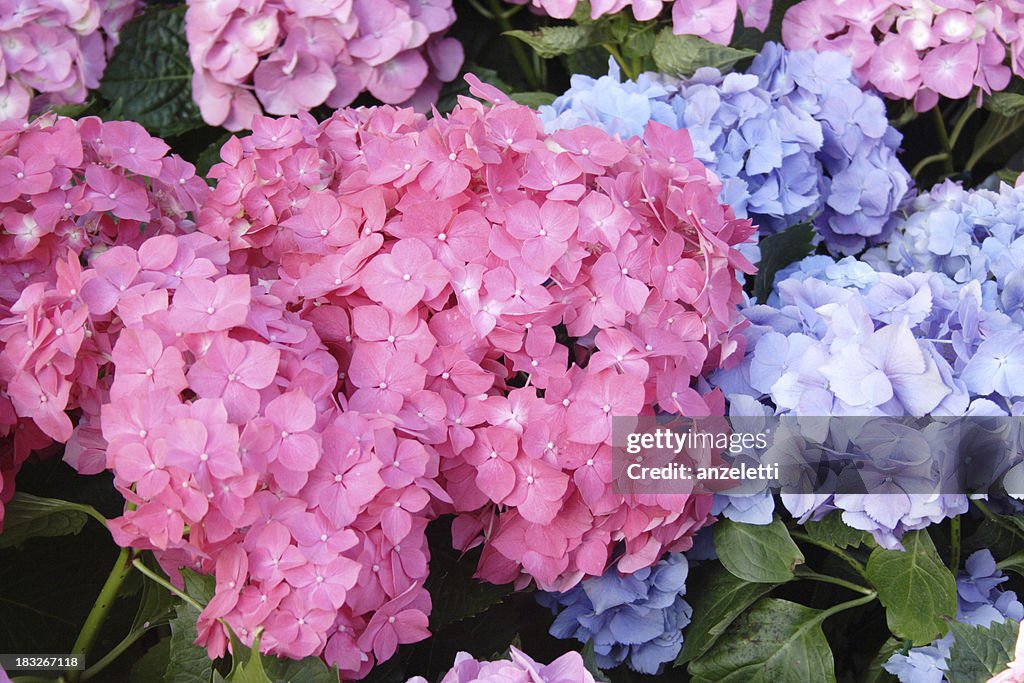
(533, 99)
(833, 531)
(456, 595)
(188, 663)
(717, 598)
(149, 76)
(639, 43)
(29, 516)
(775, 642)
(1005, 103)
(762, 553)
(916, 588)
(777, 252)
(590, 662)
(156, 607)
(199, 587)
(681, 55)
(308, 670)
(153, 664)
(875, 672)
(998, 129)
(1008, 176)
(979, 653)
(553, 41)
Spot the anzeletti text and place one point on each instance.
(743, 472)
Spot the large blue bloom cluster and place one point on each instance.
(637, 619)
(793, 139)
(980, 603)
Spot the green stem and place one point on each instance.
(954, 544)
(927, 161)
(119, 650)
(614, 51)
(517, 47)
(857, 566)
(108, 594)
(940, 129)
(803, 573)
(843, 606)
(153, 576)
(961, 122)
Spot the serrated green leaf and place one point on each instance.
(188, 663)
(978, 653)
(554, 41)
(308, 670)
(1005, 103)
(28, 516)
(717, 598)
(777, 252)
(455, 594)
(199, 587)
(681, 55)
(149, 76)
(761, 553)
(639, 43)
(835, 532)
(776, 641)
(916, 588)
(533, 99)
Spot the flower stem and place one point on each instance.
(803, 573)
(848, 559)
(843, 606)
(940, 129)
(969, 109)
(928, 161)
(153, 576)
(525, 65)
(954, 545)
(108, 594)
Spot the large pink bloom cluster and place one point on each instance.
(518, 668)
(713, 20)
(916, 49)
(69, 191)
(289, 56)
(56, 49)
(499, 295)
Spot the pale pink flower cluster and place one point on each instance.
(713, 20)
(52, 53)
(500, 294)
(288, 56)
(69, 191)
(916, 49)
(518, 668)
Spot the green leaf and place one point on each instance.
(1005, 103)
(777, 641)
(777, 252)
(590, 663)
(717, 598)
(833, 531)
(308, 670)
(998, 129)
(639, 43)
(149, 76)
(152, 665)
(916, 588)
(875, 672)
(553, 41)
(199, 587)
(156, 607)
(455, 594)
(188, 663)
(533, 99)
(1008, 175)
(979, 653)
(29, 516)
(762, 553)
(682, 55)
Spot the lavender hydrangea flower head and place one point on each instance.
(793, 139)
(979, 603)
(636, 619)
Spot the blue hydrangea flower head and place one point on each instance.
(637, 619)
